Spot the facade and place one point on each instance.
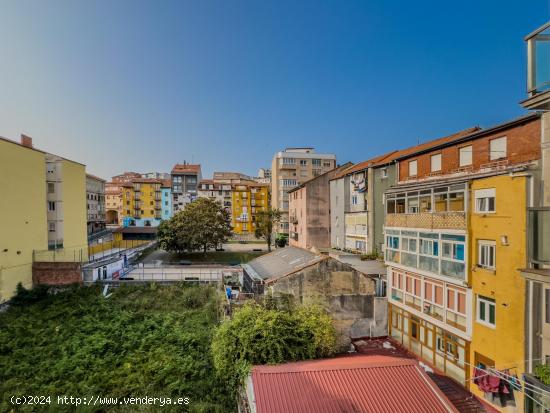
(222, 192)
(454, 240)
(290, 168)
(185, 180)
(142, 202)
(95, 203)
(264, 176)
(166, 199)
(309, 211)
(113, 204)
(537, 271)
(248, 198)
(156, 175)
(339, 199)
(66, 212)
(26, 229)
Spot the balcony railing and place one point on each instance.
(539, 235)
(435, 220)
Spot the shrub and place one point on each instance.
(542, 372)
(260, 335)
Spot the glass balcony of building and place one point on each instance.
(538, 68)
(539, 235)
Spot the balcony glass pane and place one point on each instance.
(539, 228)
(452, 269)
(542, 61)
(428, 264)
(408, 259)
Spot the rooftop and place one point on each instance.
(354, 383)
(182, 168)
(281, 262)
(97, 178)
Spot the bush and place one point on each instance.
(542, 372)
(24, 296)
(260, 335)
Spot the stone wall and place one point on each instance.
(56, 273)
(345, 293)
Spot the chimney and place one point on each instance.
(26, 141)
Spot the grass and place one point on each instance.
(141, 341)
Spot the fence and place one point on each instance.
(115, 244)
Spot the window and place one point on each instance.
(384, 173)
(412, 168)
(486, 311)
(289, 161)
(354, 200)
(435, 162)
(316, 162)
(327, 164)
(497, 148)
(486, 254)
(303, 162)
(51, 206)
(485, 200)
(51, 226)
(465, 156)
(429, 247)
(547, 304)
(51, 188)
(317, 172)
(288, 182)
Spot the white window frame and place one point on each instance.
(485, 194)
(384, 173)
(498, 148)
(468, 152)
(435, 162)
(488, 303)
(413, 166)
(482, 244)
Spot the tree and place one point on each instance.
(202, 225)
(265, 221)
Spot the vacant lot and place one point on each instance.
(141, 341)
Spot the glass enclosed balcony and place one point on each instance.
(539, 235)
(538, 60)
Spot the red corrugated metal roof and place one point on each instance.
(358, 383)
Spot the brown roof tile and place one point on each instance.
(186, 168)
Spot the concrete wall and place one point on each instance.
(74, 206)
(23, 206)
(318, 212)
(377, 206)
(344, 292)
(337, 218)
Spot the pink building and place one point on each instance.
(309, 211)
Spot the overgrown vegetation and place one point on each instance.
(141, 341)
(268, 335)
(265, 221)
(162, 341)
(542, 372)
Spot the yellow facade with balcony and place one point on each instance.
(23, 205)
(142, 202)
(497, 250)
(247, 201)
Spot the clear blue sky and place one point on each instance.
(141, 85)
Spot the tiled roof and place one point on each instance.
(166, 183)
(357, 383)
(180, 168)
(370, 162)
(97, 178)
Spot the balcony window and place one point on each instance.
(413, 168)
(435, 162)
(465, 156)
(485, 200)
(486, 311)
(538, 56)
(539, 235)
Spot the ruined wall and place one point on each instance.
(344, 292)
(56, 273)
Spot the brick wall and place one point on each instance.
(56, 273)
(523, 145)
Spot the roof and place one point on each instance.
(370, 162)
(97, 178)
(334, 172)
(356, 383)
(281, 262)
(166, 183)
(182, 168)
(147, 180)
(32, 148)
(367, 267)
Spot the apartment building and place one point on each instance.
(264, 176)
(309, 211)
(113, 203)
(142, 202)
(49, 214)
(537, 270)
(166, 198)
(66, 212)
(242, 198)
(185, 179)
(95, 203)
(454, 240)
(290, 168)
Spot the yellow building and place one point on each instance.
(142, 202)
(247, 200)
(24, 225)
(44, 204)
(497, 250)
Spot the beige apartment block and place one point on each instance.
(290, 168)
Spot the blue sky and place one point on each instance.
(141, 85)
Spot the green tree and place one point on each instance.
(202, 225)
(265, 221)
